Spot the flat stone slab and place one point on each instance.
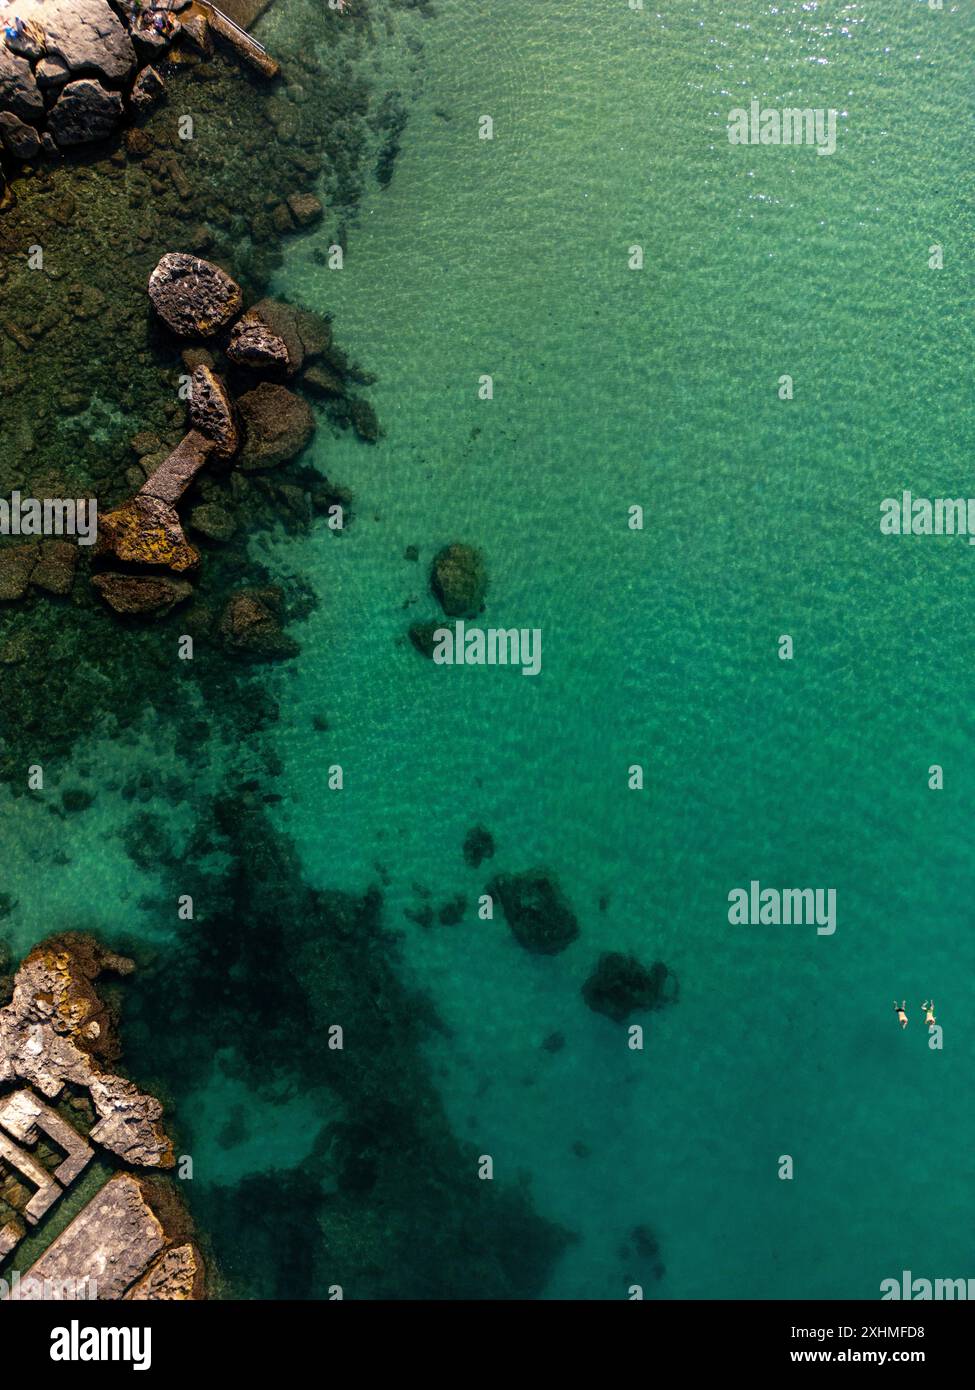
(173, 477)
(111, 1242)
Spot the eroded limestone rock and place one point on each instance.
(252, 344)
(176, 1276)
(56, 1030)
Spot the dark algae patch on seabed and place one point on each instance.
(387, 1204)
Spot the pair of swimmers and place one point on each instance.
(928, 1006)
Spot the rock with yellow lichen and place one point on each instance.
(146, 531)
(57, 1031)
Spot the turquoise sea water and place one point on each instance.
(615, 387)
(659, 388)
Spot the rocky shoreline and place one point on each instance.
(57, 1044)
(93, 382)
(264, 426)
(72, 71)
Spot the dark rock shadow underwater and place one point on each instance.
(389, 1204)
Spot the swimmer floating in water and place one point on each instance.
(900, 1010)
(929, 1019)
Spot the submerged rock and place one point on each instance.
(620, 985)
(421, 635)
(459, 580)
(364, 420)
(193, 297)
(136, 594)
(56, 566)
(16, 567)
(278, 425)
(321, 381)
(250, 626)
(478, 846)
(213, 413)
(305, 208)
(84, 111)
(536, 911)
(213, 521)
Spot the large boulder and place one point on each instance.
(84, 111)
(146, 531)
(250, 626)
(195, 298)
(459, 580)
(284, 322)
(85, 34)
(213, 413)
(278, 424)
(18, 91)
(137, 594)
(621, 985)
(536, 910)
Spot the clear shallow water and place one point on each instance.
(658, 388)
